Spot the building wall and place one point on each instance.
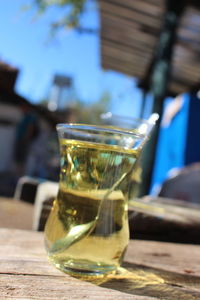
(10, 115)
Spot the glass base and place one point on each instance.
(84, 269)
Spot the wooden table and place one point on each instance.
(16, 214)
(154, 270)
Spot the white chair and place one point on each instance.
(46, 193)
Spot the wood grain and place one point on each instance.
(151, 270)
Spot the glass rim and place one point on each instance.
(115, 129)
(107, 115)
(101, 128)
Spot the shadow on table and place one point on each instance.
(146, 281)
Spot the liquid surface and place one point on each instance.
(88, 227)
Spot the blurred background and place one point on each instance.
(72, 60)
(50, 72)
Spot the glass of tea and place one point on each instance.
(87, 231)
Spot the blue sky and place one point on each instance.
(25, 44)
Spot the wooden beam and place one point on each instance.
(129, 14)
(133, 48)
(109, 62)
(127, 33)
(184, 71)
(124, 51)
(152, 9)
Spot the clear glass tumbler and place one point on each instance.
(87, 231)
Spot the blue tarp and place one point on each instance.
(171, 145)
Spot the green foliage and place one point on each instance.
(90, 113)
(82, 111)
(71, 18)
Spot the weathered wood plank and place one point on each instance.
(131, 32)
(178, 258)
(154, 9)
(122, 66)
(125, 56)
(65, 287)
(128, 13)
(109, 47)
(154, 270)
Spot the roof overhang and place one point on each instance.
(129, 34)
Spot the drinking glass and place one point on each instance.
(87, 231)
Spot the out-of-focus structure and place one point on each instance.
(156, 42)
(61, 94)
(11, 104)
(13, 108)
(137, 35)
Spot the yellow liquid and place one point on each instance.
(87, 230)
